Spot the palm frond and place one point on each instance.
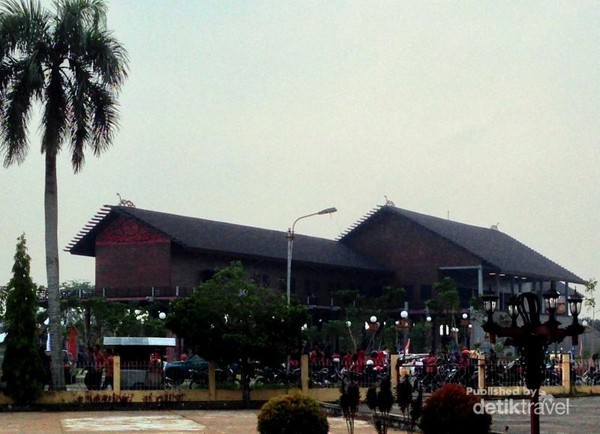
(22, 25)
(55, 117)
(16, 95)
(105, 118)
(107, 58)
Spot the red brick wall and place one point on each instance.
(131, 255)
(414, 252)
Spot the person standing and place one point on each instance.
(90, 365)
(100, 361)
(109, 370)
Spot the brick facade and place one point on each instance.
(132, 255)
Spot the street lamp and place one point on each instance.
(584, 323)
(533, 337)
(349, 326)
(429, 319)
(465, 322)
(290, 238)
(404, 325)
(372, 327)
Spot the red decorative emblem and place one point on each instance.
(123, 230)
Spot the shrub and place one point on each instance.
(450, 409)
(22, 368)
(349, 402)
(381, 403)
(416, 408)
(404, 392)
(292, 414)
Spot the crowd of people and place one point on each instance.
(99, 364)
(350, 361)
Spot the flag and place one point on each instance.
(407, 346)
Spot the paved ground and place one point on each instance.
(562, 416)
(166, 421)
(558, 416)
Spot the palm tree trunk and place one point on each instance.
(52, 271)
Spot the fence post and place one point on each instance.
(117, 374)
(212, 381)
(304, 372)
(566, 373)
(480, 371)
(394, 370)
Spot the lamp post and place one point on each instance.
(444, 338)
(429, 319)
(349, 326)
(454, 331)
(403, 324)
(372, 326)
(584, 323)
(533, 337)
(290, 238)
(466, 324)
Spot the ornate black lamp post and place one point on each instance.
(532, 337)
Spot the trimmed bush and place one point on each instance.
(292, 414)
(450, 410)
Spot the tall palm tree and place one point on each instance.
(70, 64)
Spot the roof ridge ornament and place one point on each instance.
(389, 202)
(125, 202)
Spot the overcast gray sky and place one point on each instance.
(259, 112)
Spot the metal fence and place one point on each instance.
(501, 372)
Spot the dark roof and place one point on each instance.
(492, 246)
(197, 234)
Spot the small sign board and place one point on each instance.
(139, 341)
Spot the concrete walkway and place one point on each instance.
(577, 416)
(165, 421)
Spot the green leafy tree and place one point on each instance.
(446, 299)
(590, 289)
(445, 302)
(358, 309)
(420, 337)
(95, 317)
(139, 322)
(390, 299)
(22, 367)
(230, 320)
(346, 298)
(68, 62)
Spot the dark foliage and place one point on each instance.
(416, 407)
(450, 409)
(404, 393)
(381, 402)
(349, 402)
(372, 397)
(385, 397)
(231, 320)
(22, 368)
(292, 414)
